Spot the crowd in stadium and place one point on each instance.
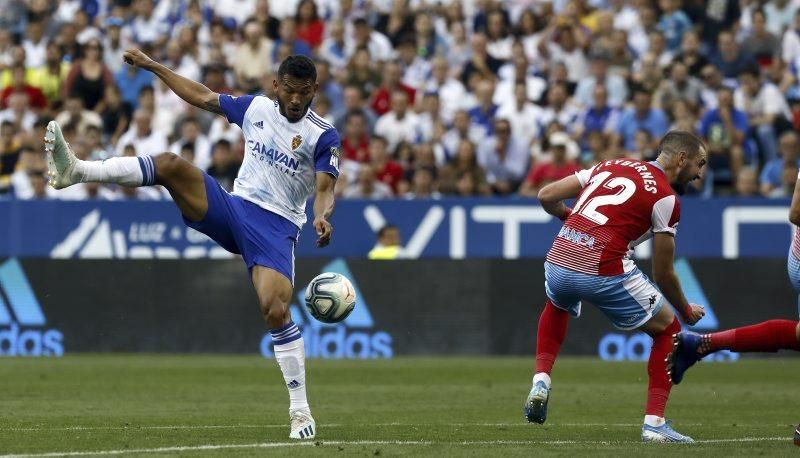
(432, 98)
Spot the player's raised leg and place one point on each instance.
(769, 336)
(274, 294)
(183, 180)
(550, 335)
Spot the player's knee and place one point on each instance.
(275, 312)
(168, 165)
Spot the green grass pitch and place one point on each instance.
(136, 405)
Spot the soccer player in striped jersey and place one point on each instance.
(770, 336)
(620, 203)
(290, 153)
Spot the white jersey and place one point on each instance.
(281, 158)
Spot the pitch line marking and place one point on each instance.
(327, 425)
(265, 445)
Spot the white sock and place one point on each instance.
(290, 352)
(127, 171)
(542, 376)
(653, 420)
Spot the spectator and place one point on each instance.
(460, 130)
(518, 71)
(761, 43)
(191, 135)
(712, 83)
(9, 155)
(115, 114)
(679, 86)
(51, 76)
(376, 43)
(360, 72)
(779, 14)
(18, 113)
(355, 140)
(388, 245)
(400, 124)
(451, 92)
(724, 130)
(772, 174)
(790, 43)
(89, 76)
(353, 100)
(747, 183)
(387, 170)
(224, 165)
(429, 42)
(146, 27)
(766, 108)
(115, 42)
(415, 68)
(36, 98)
(620, 57)
(716, 17)
(464, 164)
(728, 58)
(673, 24)
(328, 86)
(482, 116)
(367, 186)
(141, 136)
(525, 117)
(481, 62)
(690, 54)
(333, 49)
(641, 116)
(253, 57)
(35, 43)
(310, 28)
(559, 110)
(75, 113)
(38, 183)
(616, 87)
(382, 97)
(545, 172)
(423, 184)
(499, 42)
(131, 80)
(567, 46)
(599, 117)
(504, 158)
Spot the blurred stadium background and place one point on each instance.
(453, 114)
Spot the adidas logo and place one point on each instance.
(22, 321)
(355, 338)
(259, 124)
(293, 384)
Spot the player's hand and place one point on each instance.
(696, 312)
(324, 231)
(137, 58)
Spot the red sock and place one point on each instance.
(551, 333)
(659, 384)
(770, 335)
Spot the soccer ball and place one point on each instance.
(330, 297)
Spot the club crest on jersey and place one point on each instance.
(296, 141)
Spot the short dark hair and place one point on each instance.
(382, 231)
(297, 66)
(680, 140)
(222, 143)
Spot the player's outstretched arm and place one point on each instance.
(667, 281)
(190, 91)
(794, 210)
(323, 207)
(553, 195)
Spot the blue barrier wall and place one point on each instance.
(453, 228)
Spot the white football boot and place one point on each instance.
(60, 158)
(303, 425)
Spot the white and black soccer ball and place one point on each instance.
(330, 297)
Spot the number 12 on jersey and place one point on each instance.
(587, 205)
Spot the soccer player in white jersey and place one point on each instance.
(289, 152)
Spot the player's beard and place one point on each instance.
(285, 113)
(681, 183)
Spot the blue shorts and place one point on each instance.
(262, 238)
(628, 300)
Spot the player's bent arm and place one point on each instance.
(794, 210)
(664, 272)
(552, 196)
(191, 91)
